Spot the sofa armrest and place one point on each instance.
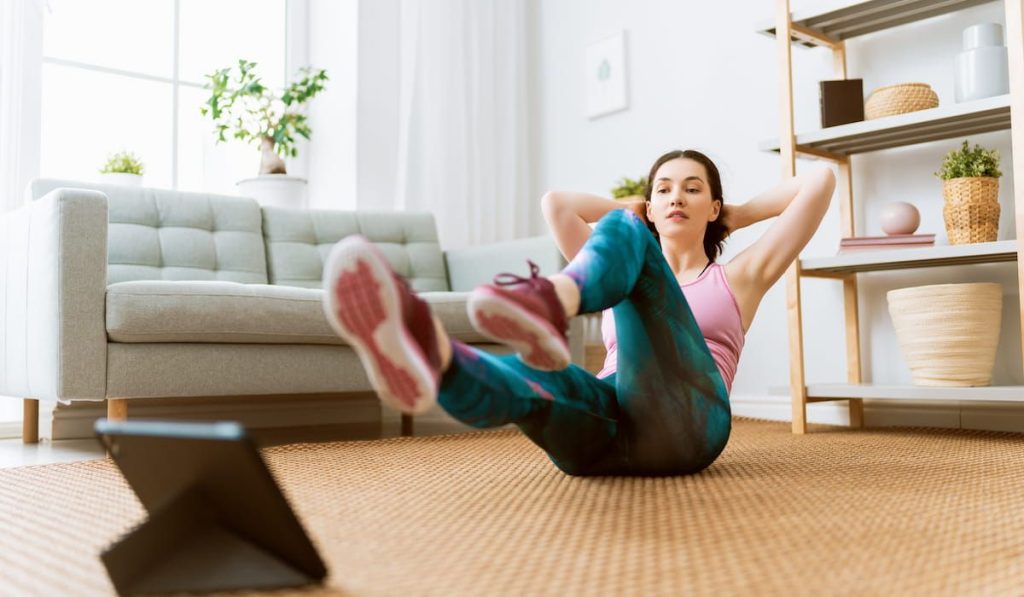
(53, 271)
(470, 267)
(473, 266)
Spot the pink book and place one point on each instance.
(895, 239)
(856, 248)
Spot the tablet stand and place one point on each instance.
(184, 545)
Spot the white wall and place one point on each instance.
(333, 45)
(700, 77)
(355, 122)
(377, 122)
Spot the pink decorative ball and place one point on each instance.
(900, 217)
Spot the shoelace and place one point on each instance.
(507, 279)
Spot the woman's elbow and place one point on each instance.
(550, 202)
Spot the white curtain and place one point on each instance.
(463, 129)
(21, 60)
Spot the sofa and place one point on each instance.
(120, 294)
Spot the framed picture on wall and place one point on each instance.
(606, 76)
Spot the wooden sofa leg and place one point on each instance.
(30, 421)
(406, 425)
(117, 409)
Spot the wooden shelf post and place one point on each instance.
(787, 152)
(1015, 52)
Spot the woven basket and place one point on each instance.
(899, 99)
(948, 332)
(971, 209)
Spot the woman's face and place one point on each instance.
(681, 203)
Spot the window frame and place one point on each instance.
(296, 31)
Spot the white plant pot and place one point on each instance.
(277, 190)
(121, 178)
(982, 69)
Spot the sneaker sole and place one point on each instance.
(362, 303)
(538, 343)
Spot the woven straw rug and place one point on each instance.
(836, 511)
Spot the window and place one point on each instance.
(124, 74)
(128, 74)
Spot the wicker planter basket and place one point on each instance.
(899, 99)
(948, 332)
(971, 209)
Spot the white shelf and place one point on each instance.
(895, 259)
(859, 18)
(824, 392)
(944, 122)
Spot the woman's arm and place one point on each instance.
(800, 203)
(769, 204)
(568, 215)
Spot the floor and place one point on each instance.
(14, 453)
(835, 511)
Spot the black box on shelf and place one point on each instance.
(842, 102)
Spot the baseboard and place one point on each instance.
(315, 411)
(988, 416)
(10, 430)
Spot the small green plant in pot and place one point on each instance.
(970, 188)
(628, 189)
(123, 167)
(241, 106)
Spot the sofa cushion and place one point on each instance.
(156, 234)
(227, 312)
(298, 241)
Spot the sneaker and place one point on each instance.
(390, 328)
(525, 314)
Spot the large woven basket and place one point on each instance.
(971, 209)
(948, 332)
(899, 99)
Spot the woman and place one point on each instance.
(660, 406)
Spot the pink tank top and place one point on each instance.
(717, 313)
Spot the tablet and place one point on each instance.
(217, 519)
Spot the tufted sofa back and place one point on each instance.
(159, 234)
(156, 234)
(298, 241)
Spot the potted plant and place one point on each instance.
(970, 188)
(628, 189)
(123, 168)
(241, 106)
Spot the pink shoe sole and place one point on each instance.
(363, 304)
(538, 343)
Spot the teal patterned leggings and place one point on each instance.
(666, 410)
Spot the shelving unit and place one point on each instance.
(830, 30)
(945, 122)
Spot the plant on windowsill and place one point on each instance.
(970, 188)
(240, 104)
(123, 168)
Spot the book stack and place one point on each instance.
(893, 241)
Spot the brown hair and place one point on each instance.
(714, 236)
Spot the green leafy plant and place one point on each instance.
(967, 162)
(123, 162)
(241, 106)
(628, 187)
